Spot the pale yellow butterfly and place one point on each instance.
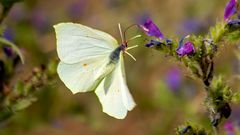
(93, 60)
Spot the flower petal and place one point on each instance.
(229, 127)
(189, 48)
(186, 49)
(8, 51)
(153, 43)
(231, 9)
(173, 79)
(234, 23)
(151, 29)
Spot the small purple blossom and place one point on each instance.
(76, 9)
(168, 41)
(40, 21)
(174, 79)
(8, 51)
(234, 23)
(153, 43)
(229, 127)
(151, 29)
(231, 9)
(186, 49)
(18, 13)
(8, 34)
(193, 26)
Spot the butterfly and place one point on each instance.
(92, 60)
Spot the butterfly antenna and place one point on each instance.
(132, 47)
(137, 36)
(131, 56)
(121, 34)
(125, 31)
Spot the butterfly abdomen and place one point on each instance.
(114, 56)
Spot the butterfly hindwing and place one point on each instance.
(113, 93)
(83, 76)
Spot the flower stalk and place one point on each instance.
(197, 54)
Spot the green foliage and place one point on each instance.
(217, 32)
(219, 89)
(191, 129)
(218, 99)
(201, 64)
(236, 98)
(234, 36)
(168, 49)
(23, 94)
(21, 104)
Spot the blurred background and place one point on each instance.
(165, 92)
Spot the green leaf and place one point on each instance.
(23, 103)
(51, 67)
(236, 97)
(234, 36)
(13, 46)
(217, 32)
(5, 114)
(19, 87)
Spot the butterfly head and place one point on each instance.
(124, 46)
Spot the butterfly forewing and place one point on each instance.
(76, 42)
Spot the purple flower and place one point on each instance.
(174, 79)
(186, 49)
(151, 29)
(169, 41)
(18, 13)
(193, 25)
(230, 9)
(8, 51)
(8, 34)
(229, 127)
(40, 21)
(76, 9)
(153, 43)
(234, 23)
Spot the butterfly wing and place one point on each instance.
(76, 42)
(84, 54)
(113, 93)
(85, 75)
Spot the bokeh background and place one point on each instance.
(164, 90)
